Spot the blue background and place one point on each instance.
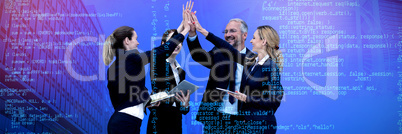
(358, 104)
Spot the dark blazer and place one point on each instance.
(165, 118)
(221, 75)
(261, 85)
(126, 76)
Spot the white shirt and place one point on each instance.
(136, 111)
(226, 106)
(175, 71)
(260, 62)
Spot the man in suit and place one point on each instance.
(218, 110)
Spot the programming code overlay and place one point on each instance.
(342, 62)
(48, 48)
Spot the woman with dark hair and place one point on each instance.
(261, 91)
(165, 75)
(126, 75)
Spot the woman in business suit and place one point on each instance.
(126, 76)
(261, 91)
(165, 75)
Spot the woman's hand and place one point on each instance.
(184, 99)
(197, 25)
(239, 96)
(186, 18)
(186, 26)
(192, 31)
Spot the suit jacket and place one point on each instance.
(165, 118)
(221, 75)
(261, 85)
(126, 76)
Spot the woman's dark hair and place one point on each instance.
(165, 35)
(120, 34)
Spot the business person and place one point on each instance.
(126, 76)
(218, 111)
(261, 90)
(165, 75)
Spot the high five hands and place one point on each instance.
(184, 27)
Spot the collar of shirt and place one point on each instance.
(175, 63)
(262, 61)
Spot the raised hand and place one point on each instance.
(186, 23)
(197, 25)
(188, 7)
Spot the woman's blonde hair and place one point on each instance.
(108, 51)
(115, 41)
(272, 41)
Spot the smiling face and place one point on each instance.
(133, 43)
(233, 33)
(259, 44)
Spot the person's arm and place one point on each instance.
(272, 93)
(168, 47)
(234, 54)
(163, 50)
(198, 54)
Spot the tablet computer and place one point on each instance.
(225, 90)
(184, 86)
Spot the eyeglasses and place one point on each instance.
(230, 31)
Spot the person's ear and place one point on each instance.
(162, 43)
(244, 36)
(264, 42)
(126, 42)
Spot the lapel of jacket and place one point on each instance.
(257, 67)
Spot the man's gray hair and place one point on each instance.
(243, 26)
